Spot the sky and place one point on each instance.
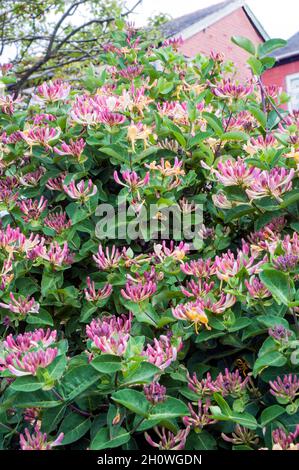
(280, 18)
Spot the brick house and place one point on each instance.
(286, 71)
(211, 29)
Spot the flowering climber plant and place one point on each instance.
(154, 336)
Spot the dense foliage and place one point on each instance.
(150, 342)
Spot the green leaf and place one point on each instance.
(133, 400)
(143, 374)
(41, 318)
(103, 440)
(237, 212)
(114, 153)
(201, 441)
(223, 412)
(270, 46)
(27, 383)
(270, 414)
(274, 359)
(278, 284)
(290, 198)
(259, 115)
(74, 427)
(244, 419)
(171, 408)
(107, 363)
(235, 135)
(256, 66)
(244, 43)
(77, 380)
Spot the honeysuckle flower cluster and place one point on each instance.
(110, 334)
(28, 353)
(21, 306)
(81, 191)
(161, 352)
(38, 440)
(156, 329)
(286, 388)
(168, 440)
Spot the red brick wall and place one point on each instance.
(277, 75)
(217, 37)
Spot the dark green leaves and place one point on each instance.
(244, 43)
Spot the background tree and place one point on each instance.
(41, 36)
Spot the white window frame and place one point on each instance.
(289, 78)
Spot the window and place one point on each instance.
(293, 91)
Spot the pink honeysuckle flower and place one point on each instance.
(6, 274)
(174, 110)
(81, 191)
(256, 289)
(228, 88)
(138, 292)
(131, 72)
(290, 244)
(220, 200)
(275, 183)
(168, 440)
(52, 91)
(55, 254)
(193, 312)
(203, 388)
(161, 352)
(198, 289)
(32, 178)
(200, 418)
(286, 388)
(30, 362)
(241, 435)
(131, 179)
(93, 295)
(31, 209)
(106, 260)
(236, 173)
(13, 138)
(224, 303)
(38, 440)
(8, 102)
(22, 305)
(155, 393)
(242, 121)
(230, 383)
(273, 91)
(40, 136)
(285, 441)
(85, 111)
(199, 268)
(5, 68)
(228, 265)
(29, 340)
(280, 333)
(75, 148)
(43, 118)
(110, 334)
(260, 143)
(58, 221)
(13, 240)
(175, 43)
(112, 119)
(177, 252)
(56, 184)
